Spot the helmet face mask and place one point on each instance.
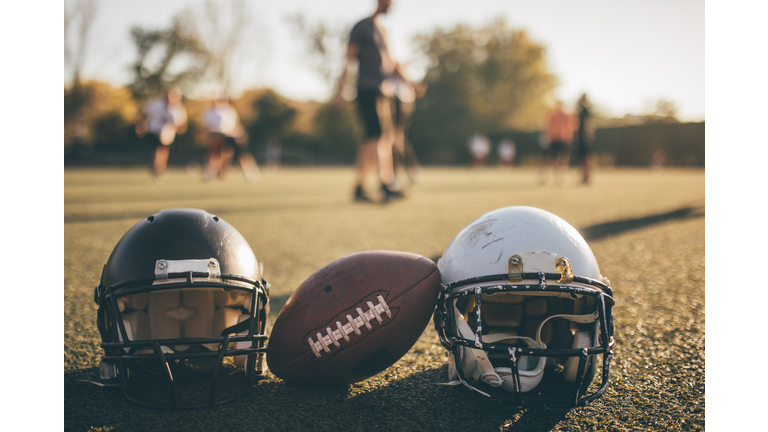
(524, 313)
(181, 293)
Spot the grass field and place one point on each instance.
(646, 230)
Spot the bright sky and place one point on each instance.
(625, 55)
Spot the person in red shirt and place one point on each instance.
(560, 128)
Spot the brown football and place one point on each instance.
(353, 318)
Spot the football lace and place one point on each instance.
(353, 325)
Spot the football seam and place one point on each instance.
(332, 340)
(354, 325)
(389, 300)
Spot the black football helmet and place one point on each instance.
(181, 291)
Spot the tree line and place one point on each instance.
(492, 80)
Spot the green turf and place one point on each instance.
(647, 232)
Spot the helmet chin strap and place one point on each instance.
(477, 366)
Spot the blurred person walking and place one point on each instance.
(585, 134)
(226, 136)
(560, 127)
(160, 120)
(375, 92)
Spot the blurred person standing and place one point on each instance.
(544, 143)
(375, 92)
(479, 148)
(226, 136)
(273, 156)
(658, 158)
(160, 120)
(507, 152)
(560, 127)
(585, 134)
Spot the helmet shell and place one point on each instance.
(179, 234)
(483, 247)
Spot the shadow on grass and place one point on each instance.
(271, 405)
(418, 402)
(415, 402)
(608, 229)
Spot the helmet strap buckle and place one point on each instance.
(515, 268)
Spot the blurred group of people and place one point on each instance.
(162, 118)
(480, 150)
(385, 102)
(564, 130)
(385, 99)
(564, 134)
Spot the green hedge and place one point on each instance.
(683, 144)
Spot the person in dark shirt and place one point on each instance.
(584, 137)
(377, 73)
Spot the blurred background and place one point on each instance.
(494, 68)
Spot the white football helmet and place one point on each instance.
(523, 298)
